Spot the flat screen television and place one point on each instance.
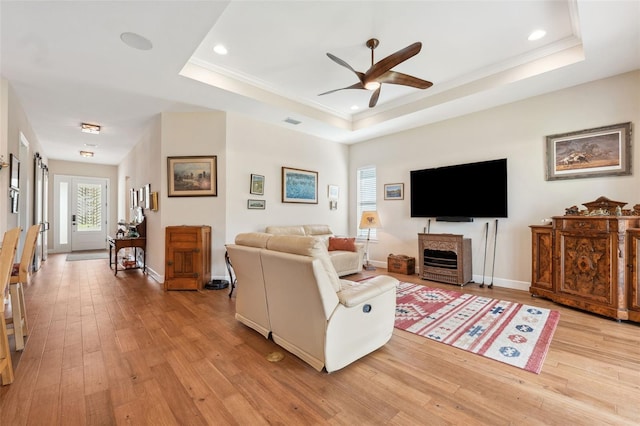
(460, 192)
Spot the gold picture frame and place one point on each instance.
(192, 176)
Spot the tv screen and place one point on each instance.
(460, 192)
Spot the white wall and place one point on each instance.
(13, 122)
(516, 131)
(188, 134)
(143, 165)
(259, 148)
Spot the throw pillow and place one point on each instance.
(345, 244)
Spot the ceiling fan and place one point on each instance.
(380, 72)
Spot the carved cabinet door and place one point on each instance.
(633, 276)
(587, 269)
(542, 283)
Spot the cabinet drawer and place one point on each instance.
(585, 225)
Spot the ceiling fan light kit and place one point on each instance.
(380, 72)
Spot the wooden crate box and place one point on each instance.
(401, 264)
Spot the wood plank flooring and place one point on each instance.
(107, 350)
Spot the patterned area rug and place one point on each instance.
(509, 332)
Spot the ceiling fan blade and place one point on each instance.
(391, 61)
(374, 98)
(353, 86)
(393, 77)
(346, 65)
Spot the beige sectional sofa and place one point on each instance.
(346, 262)
(289, 290)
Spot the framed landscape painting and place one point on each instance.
(299, 186)
(256, 204)
(194, 176)
(394, 191)
(602, 151)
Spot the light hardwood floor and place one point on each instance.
(120, 350)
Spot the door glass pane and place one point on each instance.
(88, 207)
(63, 216)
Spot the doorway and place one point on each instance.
(81, 219)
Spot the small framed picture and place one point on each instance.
(15, 201)
(394, 191)
(133, 198)
(334, 192)
(256, 204)
(257, 185)
(14, 172)
(145, 196)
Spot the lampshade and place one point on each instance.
(370, 220)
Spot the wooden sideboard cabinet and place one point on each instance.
(187, 257)
(579, 261)
(633, 273)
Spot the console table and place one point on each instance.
(138, 242)
(116, 244)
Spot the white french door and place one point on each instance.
(81, 220)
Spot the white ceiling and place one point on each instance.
(67, 63)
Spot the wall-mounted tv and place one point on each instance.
(460, 192)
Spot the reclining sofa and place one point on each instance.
(288, 289)
(346, 255)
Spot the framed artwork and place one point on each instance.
(334, 192)
(14, 172)
(194, 176)
(133, 198)
(15, 200)
(256, 204)
(154, 201)
(257, 185)
(299, 186)
(394, 191)
(145, 197)
(602, 151)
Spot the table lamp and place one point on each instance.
(369, 220)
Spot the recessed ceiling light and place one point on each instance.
(136, 41)
(93, 129)
(90, 145)
(537, 35)
(87, 154)
(220, 49)
(354, 107)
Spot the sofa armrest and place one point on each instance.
(356, 293)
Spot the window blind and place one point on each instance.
(367, 191)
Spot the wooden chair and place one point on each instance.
(7, 256)
(20, 275)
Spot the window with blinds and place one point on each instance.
(88, 207)
(367, 191)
